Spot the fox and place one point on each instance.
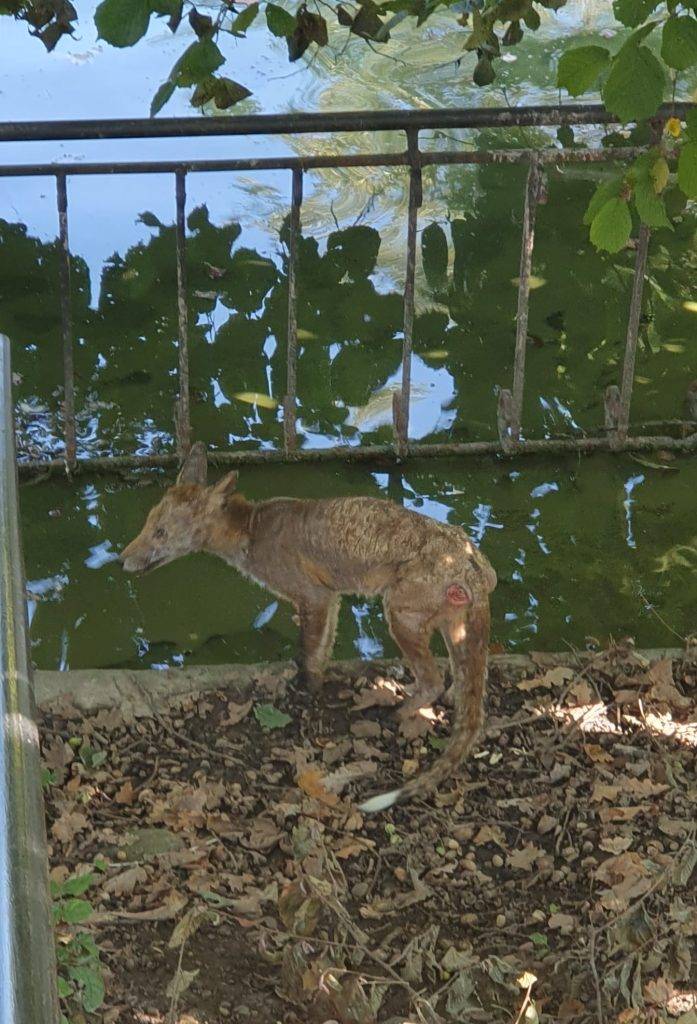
(309, 552)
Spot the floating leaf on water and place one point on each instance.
(533, 282)
(305, 335)
(256, 398)
(652, 465)
(670, 346)
(435, 353)
(690, 306)
(378, 409)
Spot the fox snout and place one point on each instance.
(140, 558)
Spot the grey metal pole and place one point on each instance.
(27, 960)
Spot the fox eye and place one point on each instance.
(159, 533)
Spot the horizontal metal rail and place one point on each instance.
(304, 123)
(511, 437)
(368, 453)
(309, 163)
(28, 992)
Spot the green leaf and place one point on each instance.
(650, 207)
(65, 989)
(199, 61)
(605, 191)
(223, 91)
(92, 987)
(202, 24)
(122, 22)
(163, 94)
(687, 170)
(76, 911)
(578, 69)
(280, 22)
(243, 20)
(659, 172)
(483, 73)
(538, 939)
(611, 226)
(76, 885)
(270, 717)
(634, 88)
(679, 45)
(633, 12)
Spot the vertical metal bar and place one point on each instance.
(401, 399)
(532, 191)
(627, 385)
(290, 437)
(27, 962)
(66, 324)
(182, 416)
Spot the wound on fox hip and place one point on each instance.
(457, 595)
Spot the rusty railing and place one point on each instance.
(617, 401)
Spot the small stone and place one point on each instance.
(452, 844)
(500, 920)
(468, 918)
(365, 729)
(546, 824)
(538, 915)
(497, 860)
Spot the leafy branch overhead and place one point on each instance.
(657, 44)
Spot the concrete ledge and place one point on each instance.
(141, 692)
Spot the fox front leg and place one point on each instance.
(318, 620)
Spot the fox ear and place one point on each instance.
(194, 468)
(227, 484)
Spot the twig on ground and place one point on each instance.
(596, 979)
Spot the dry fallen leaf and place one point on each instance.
(673, 826)
(490, 834)
(524, 859)
(621, 813)
(236, 712)
(628, 876)
(68, 825)
(598, 754)
(126, 794)
(615, 844)
(57, 754)
(662, 687)
(564, 922)
(311, 782)
(581, 693)
(658, 991)
(263, 836)
(124, 883)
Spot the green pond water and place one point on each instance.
(602, 546)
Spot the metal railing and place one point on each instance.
(27, 965)
(615, 434)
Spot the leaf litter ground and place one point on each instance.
(552, 880)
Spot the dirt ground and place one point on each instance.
(552, 880)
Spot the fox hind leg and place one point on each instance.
(412, 632)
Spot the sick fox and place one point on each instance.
(429, 575)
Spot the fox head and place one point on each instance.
(181, 522)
